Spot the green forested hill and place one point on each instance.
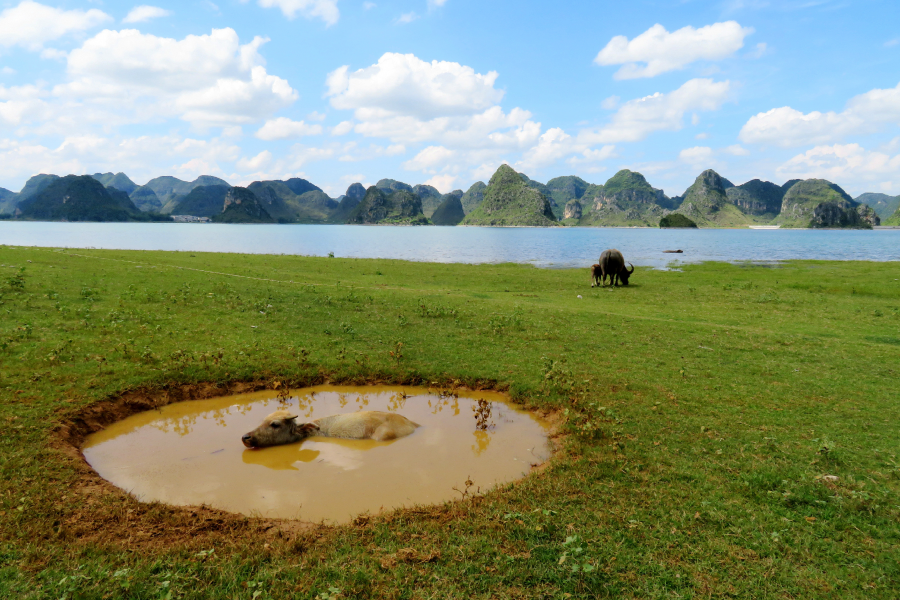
(510, 202)
(79, 198)
(706, 203)
(8, 202)
(242, 206)
(882, 204)
(473, 196)
(202, 201)
(818, 203)
(401, 207)
(119, 181)
(450, 211)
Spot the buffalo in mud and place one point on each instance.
(612, 265)
(281, 427)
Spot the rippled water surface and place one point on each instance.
(190, 453)
(543, 247)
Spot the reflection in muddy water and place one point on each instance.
(191, 453)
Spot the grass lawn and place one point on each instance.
(725, 430)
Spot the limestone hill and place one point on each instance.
(120, 181)
(79, 198)
(510, 202)
(203, 201)
(401, 207)
(819, 203)
(626, 199)
(706, 203)
(242, 206)
(760, 198)
(473, 196)
(450, 211)
(882, 204)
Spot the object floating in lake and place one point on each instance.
(764, 226)
(673, 251)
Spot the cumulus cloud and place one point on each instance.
(30, 24)
(845, 164)
(283, 128)
(404, 84)
(699, 157)
(657, 51)
(788, 127)
(203, 79)
(326, 10)
(432, 157)
(636, 119)
(144, 12)
(443, 183)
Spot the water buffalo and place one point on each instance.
(281, 427)
(596, 274)
(612, 264)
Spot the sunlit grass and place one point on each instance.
(731, 430)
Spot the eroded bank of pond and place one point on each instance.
(190, 453)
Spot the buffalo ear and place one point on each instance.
(308, 429)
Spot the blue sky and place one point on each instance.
(444, 91)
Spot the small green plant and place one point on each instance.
(17, 281)
(402, 321)
(574, 557)
(397, 353)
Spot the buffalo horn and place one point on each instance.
(632, 269)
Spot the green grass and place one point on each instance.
(701, 410)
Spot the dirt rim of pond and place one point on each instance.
(105, 514)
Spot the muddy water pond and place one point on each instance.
(190, 453)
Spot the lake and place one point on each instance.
(543, 247)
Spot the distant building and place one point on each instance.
(190, 219)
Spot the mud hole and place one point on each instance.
(92, 510)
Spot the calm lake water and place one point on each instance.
(551, 247)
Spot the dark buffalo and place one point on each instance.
(612, 264)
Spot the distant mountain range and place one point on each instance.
(508, 199)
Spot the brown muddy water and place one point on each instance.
(190, 453)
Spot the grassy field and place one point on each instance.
(725, 430)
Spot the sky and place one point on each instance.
(444, 91)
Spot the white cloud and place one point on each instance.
(53, 54)
(326, 10)
(369, 5)
(144, 12)
(406, 18)
(21, 104)
(283, 128)
(788, 127)
(342, 128)
(736, 150)
(610, 103)
(637, 119)
(8, 71)
(701, 136)
(432, 157)
(844, 164)
(661, 51)
(699, 157)
(353, 152)
(31, 24)
(203, 79)
(436, 4)
(443, 183)
(405, 84)
(316, 116)
(892, 43)
(759, 51)
(257, 163)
